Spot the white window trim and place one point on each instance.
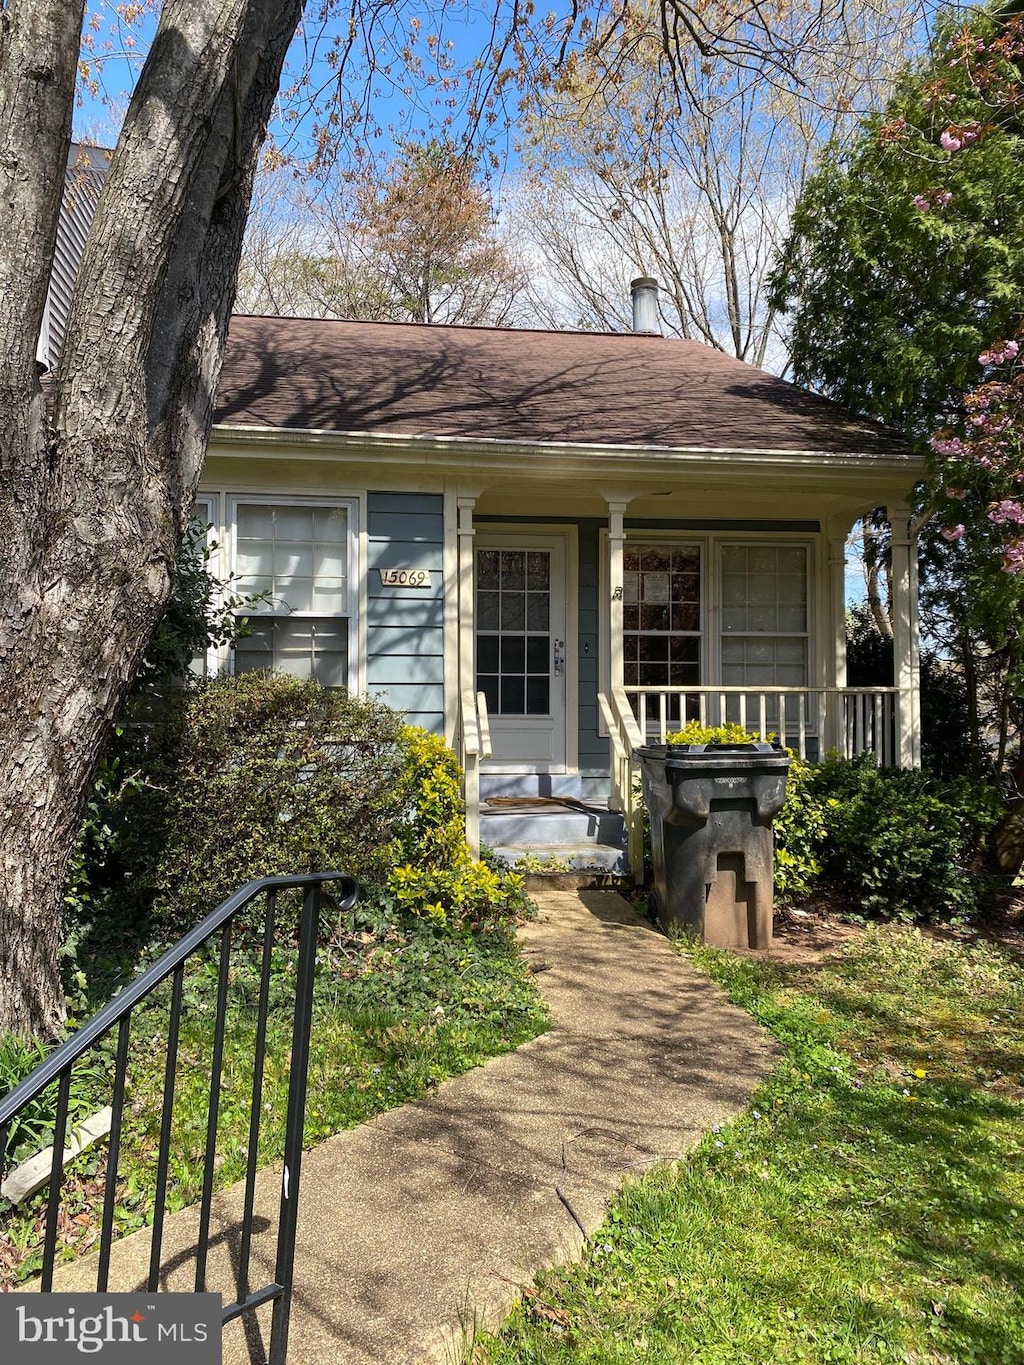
(225, 520)
(207, 507)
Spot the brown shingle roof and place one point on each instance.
(627, 390)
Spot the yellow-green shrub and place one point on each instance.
(439, 880)
(731, 733)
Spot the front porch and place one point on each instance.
(581, 639)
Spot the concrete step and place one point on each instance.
(539, 825)
(589, 858)
(591, 839)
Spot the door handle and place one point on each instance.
(559, 667)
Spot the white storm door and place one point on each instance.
(520, 615)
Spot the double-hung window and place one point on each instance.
(738, 621)
(764, 616)
(298, 557)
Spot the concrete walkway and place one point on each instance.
(429, 1219)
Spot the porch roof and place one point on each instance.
(399, 379)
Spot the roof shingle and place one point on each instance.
(519, 385)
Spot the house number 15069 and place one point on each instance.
(405, 578)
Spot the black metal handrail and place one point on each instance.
(118, 1013)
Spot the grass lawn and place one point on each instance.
(868, 1206)
(396, 1010)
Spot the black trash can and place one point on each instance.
(711, 809)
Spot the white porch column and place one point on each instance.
(470, 762)
(834, 726)
(906, 648)
(466, 604)
(616, 541)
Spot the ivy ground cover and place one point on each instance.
(867, 1208)
(397, 1009)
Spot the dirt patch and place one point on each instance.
(818, 930)
(810, 935)
(807, 937)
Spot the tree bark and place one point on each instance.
(96, 493)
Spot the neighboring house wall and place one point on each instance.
(83, 180)
(405, 624)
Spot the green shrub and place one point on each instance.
(906, 844)
(900, 844)
(256, 776)
(264, 775)
(801, 832)
(434, 831)
(437, 878)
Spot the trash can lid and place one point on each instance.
(754, 755)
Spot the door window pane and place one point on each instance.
(513, 654)
(513, 612)
(538, 696)
(487, 653)
(513, 570)
(538, 611)
(487, 610)
(537, 654)
(538, 570)
(488, 576)
(489, 687)
(513, 696)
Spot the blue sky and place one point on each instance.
(412, 111)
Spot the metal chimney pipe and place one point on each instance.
(646, 318)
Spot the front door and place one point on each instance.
(520, 648)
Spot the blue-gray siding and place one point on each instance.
(405, 626)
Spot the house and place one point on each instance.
(546, 546)
(550, 546)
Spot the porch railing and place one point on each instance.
(852, 720)
(624, 735)
(57, 1070)
(476, 744)
(808, 720)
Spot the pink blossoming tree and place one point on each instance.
(904, 275)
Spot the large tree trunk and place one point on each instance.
(94, 494)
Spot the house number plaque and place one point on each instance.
(405, 578)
